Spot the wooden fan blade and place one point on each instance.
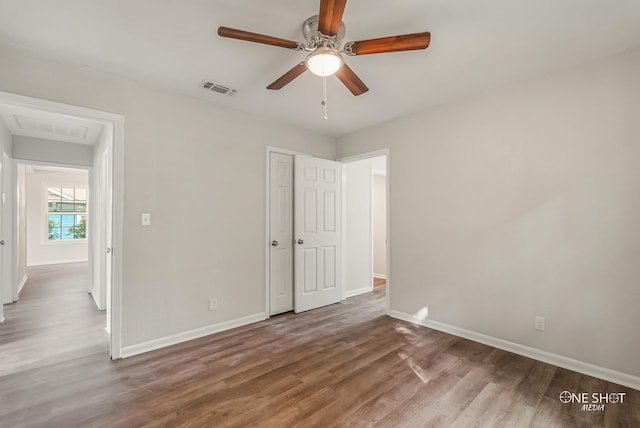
(233, 33)
(330, 16)
(351, 80)
(406, 42)
(287, 77)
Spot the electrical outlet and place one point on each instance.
(213, 304)
(539, 323)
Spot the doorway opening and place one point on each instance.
(49, 140)
(379, 226)
(365, 220)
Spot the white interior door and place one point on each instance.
(281, 234)
(106, 228)
(95, 234)
(102, 221)
(317, 226)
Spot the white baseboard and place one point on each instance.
(358, 291)
(380, 275)
(536, 354)
(56, 262)
(129, 351)
(23, 281)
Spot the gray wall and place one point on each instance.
(6, 142)
(520, 203)
(199, 169)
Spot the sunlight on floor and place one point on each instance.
(413, 340)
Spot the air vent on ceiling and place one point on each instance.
(214, 87)
(47, 127)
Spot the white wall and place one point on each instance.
(40, 149)
(41, 251)
(523, 202)
(379, 208)
(357, 205)
(199, 169)
(357, 231)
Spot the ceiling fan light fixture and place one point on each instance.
(324, 61)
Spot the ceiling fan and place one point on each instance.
(323, 34)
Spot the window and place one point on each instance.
(67, 213)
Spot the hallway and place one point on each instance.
(55, 320)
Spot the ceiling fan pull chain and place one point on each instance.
(324, 101)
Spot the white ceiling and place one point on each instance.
(475, 45)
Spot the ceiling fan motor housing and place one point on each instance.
(315, 39)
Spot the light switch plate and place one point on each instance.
(145, 219)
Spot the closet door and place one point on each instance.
(281, 234)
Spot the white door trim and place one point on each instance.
(117, 121)
(362, 156)
(367, 155)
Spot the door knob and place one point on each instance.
(300, 241)
(108, 250)
(274, 243)
(2, 242)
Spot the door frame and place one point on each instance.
(117, 122)
(368, 155)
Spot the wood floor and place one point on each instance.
(55, 320)
(377, 282)
(345, 365)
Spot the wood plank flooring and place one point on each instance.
(56, 319)
(344, 365)
(378, 282)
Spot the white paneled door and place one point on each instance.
(106, 230)
(281, 234)
(317, 224)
